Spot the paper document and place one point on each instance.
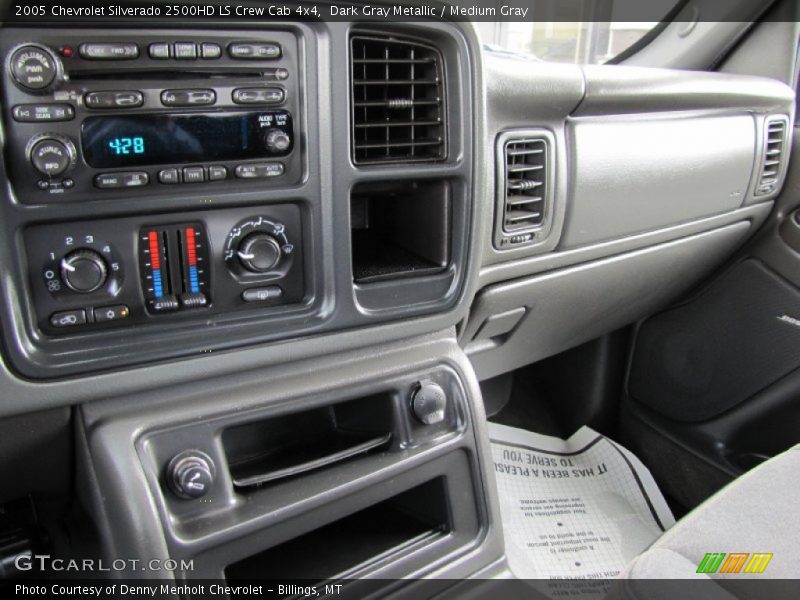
(580, 508)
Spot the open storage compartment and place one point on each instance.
(287, 445)
(400, 524)
(400, 229)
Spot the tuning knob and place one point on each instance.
(277, 140)
(52, 154)
(84, 271)
(35, 69)
(259, 252)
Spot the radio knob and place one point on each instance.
(35, 69)
(259, 252)
(84, 270)
(277, 140)
(52, 154)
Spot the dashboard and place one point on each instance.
(312, 241)
(175, 193)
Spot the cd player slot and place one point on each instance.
(169, 74)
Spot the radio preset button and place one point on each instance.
(185, 50)
(121, 180)
(193, 175)
(254, 51)
(209, 50)
(217, 173)
(159, 50)
(188, 97)
(130, 99)
(67, 318)
(99, 51)
(259, 171)
(270, 95)
(169, 176)
(33, 113)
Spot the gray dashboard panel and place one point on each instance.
(568, 307)
(634, 174)
(725, 113)
(521, 95)
(611, 90)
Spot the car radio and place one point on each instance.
(91, 117)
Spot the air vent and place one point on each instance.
(525, 184)
(774, 154)
(398, 101)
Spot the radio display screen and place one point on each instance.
(154, 139)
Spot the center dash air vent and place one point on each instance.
(397, 100)
(775, 142)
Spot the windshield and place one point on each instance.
(570, 42)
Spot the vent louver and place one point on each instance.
(774, 154)
(397, 101)
(525, 184)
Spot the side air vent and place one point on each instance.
(524, 187)
(775, 142)
(398, 105)
(526, 166)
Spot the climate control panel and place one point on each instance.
(138, 270)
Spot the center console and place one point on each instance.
(175, 193)
(266, 231)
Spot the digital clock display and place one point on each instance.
(127, 145)
(158, 139)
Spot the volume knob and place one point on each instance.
(259, 252)
(35, 69)
(84, 271)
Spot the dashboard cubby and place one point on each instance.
(400, 229)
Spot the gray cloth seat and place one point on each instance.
(757, 513)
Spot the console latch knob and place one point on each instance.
(190, 474)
